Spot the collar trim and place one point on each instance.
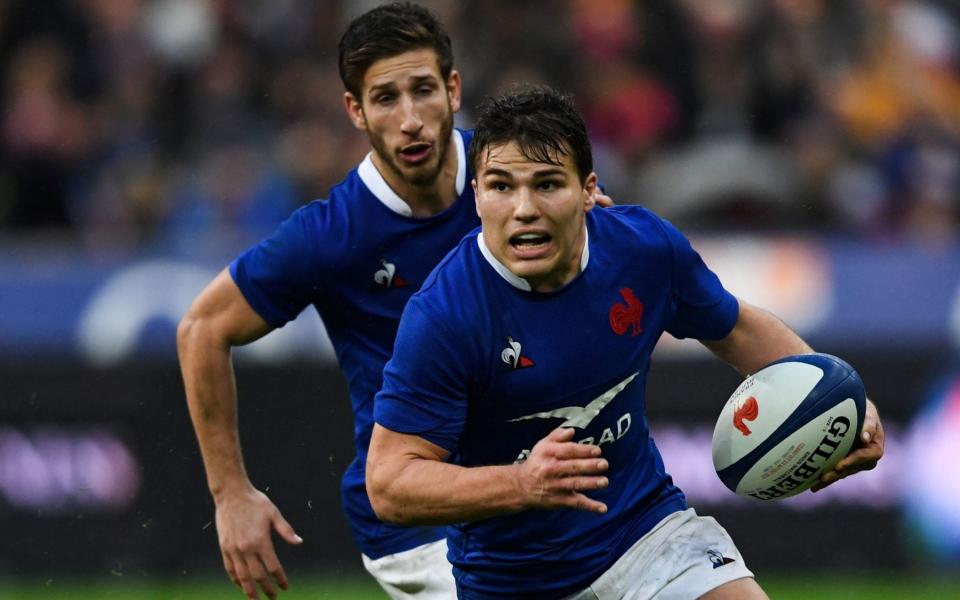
(519, 282)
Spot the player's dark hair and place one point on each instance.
(387, 31)
(542, 121)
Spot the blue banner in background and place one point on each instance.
(838, 295)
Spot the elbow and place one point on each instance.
(385, 505)
(187, 332)
(385, 510)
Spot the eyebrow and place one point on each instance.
(389, 86)
(429, 78)
(549, 171)
(495, 172)
(538, 174)
(392, 85)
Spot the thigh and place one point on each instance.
(683, 557)
(740, 589)
(421, 573)
(700, 559)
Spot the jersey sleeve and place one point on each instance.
(704, 309)
(425, 383)
(281, 275)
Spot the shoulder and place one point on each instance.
(344, 206)
(455, 284)
(455, 269)
(624, 224)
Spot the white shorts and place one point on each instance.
(421, 573)
(683, 557)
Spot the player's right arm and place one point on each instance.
(410, 484)
(420, 414)
(219, 319)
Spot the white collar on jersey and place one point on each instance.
(520, 282)
(375, 182)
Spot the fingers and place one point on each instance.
(582, 466)
(578, 501)
(244, 578)
(253, 572)
(864, 457)
(572, 451)
(259, 575)
(587, 504)
(559, 470)
(230, 569)
(871, 422)
(603, 200)
(244, 523)
(274, 568)
(285, 530)
(861, 459)
(561, 434)
(270, 559)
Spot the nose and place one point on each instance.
(525, 206)
(411, 124)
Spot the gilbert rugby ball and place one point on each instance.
(787, 424)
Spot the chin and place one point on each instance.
(422, 174)
(528, 271)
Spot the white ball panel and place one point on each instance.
(797, 462)
(778, 390)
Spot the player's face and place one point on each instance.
(532, 214)
(407, 111)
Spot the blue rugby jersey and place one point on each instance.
(485, 368)
(357, 258)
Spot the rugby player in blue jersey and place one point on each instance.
(356, 257)
(513, 406)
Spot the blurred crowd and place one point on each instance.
(132, 125)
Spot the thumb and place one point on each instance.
(286, 530)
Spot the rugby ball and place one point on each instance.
(787, 424)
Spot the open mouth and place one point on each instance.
(415, 153)
(530, 241)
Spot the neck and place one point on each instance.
(427, 199)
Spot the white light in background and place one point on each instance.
(57, 469)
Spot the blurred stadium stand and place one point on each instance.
(812, 147)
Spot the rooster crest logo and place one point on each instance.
(512, 357)
(387, 276)
(623, 316)
(747, 411)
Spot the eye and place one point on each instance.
(424, 90)
(498, 186)
(548, 186)
(384, 99)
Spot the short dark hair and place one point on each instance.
(542, 121)
(387, 31)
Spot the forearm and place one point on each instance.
(431, 492)
(212, 400)
(758, 339)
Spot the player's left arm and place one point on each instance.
(759, 338)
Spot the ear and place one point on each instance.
(355, 111)
(476, 205)
(589, 191)
(453, 90)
